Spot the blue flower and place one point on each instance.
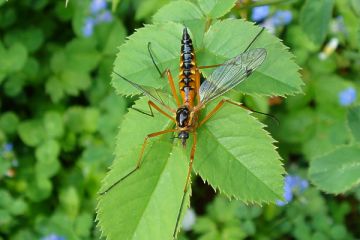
(88, 28)
(106, 16)
(259, 13)
(53, 236)
(347, 96)
(281, 18)
(293, 184)
(8, 147)
(97, 5)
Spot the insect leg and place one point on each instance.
(138, 164)
(153, 59)
(197, 85)
(221, 103)
(151, 114)
(210, 66)
(172, 86)
(192, 154)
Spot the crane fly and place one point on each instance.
(195, 96)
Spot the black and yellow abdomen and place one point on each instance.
(187, 75)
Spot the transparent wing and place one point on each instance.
(230, 74)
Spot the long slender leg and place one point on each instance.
(210, 66)
(153, 59)
(138, 164)
(192, 154)
(172, 86)
(217, 108)
(197, 85)
(221, 103)
(151, 114)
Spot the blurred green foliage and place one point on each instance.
(59, 118)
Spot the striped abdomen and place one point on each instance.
(187, 82)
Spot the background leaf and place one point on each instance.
(216, 8)
(353, 118)
(342, 169)
(315, 18)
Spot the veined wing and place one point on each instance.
(231, 73)
(148, 92)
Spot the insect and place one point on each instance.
(195, 96)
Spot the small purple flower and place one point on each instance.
(259, 13)
(281, 18)
(293, 184)
(53, 236)
(347, 96)
(106, 16)
(88, 28)
(97, 5)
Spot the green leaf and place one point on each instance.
(39, 188)
(337, 171)
(137, 65)
(14, 58)
(70, 201)
(315, 17)
(32, 132)
(277, 76)
(186, 13)
(47, 164)
(82, 55)
(151, 194)
(235, 155)
(9, 122)
(353, 118)
(216, 8)
(146, 8)
(54, 89)
(54, 124)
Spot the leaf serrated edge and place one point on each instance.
(216, 188)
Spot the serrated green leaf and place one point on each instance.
(277, 76)
(337, 171)
(315, 18)
(235, 155)
(216, 8)
(154, 192)
(353, 118)
(137, 65)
